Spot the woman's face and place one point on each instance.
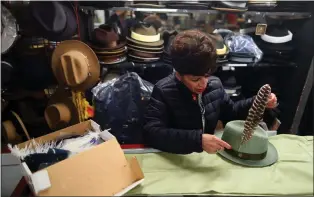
(196, 84)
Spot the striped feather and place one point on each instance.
(256, 113)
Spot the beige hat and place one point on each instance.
(61, 112)
(13, 129)
(75, 64)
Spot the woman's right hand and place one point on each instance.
(212, 144)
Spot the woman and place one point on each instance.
(185, 107)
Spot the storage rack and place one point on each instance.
(232, 66)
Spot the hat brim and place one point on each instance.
(271, 156)
(159, 43)
(98, 47)
(94, 68)
(143, 51)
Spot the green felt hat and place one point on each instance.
(257, 152)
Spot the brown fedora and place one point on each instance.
(105, 38)
(14, 130)
(61, 112)
(145, 35)
(75, 64)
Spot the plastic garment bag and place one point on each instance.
(243, 45)
(120, 106)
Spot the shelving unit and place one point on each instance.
(257, 13)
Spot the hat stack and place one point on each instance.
(144, 44)
(108, 46)
(168, 37)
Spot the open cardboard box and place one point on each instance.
(100, 171)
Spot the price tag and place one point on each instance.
(260, 29)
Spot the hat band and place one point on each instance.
(277, 40)
(221, 51)
(246, 156)
(145, 38)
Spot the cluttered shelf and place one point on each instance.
(170, 10)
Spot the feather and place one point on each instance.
(255, 113)
(74, 145)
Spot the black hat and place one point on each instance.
(277, 34)
(52, 20)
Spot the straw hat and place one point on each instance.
(75, 64)
(61, 112)
(13, 129)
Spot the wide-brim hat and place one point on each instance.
(257, 152)
(64, 27)
(106, 38)
(8, 30)
(61, 112)
(75, 64)
(13, 129)
(277, 34)
(112, 59)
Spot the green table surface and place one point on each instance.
(209, 174)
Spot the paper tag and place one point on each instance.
(260, 29)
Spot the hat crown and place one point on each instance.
(147, 30)
(56, 114)
(233, 132)
(75, 67)
(54, 21)
(106, 36)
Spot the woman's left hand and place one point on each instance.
(272, 101)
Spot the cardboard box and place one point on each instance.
(100, 171)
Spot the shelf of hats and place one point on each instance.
(76, 86)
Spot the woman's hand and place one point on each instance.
(212, 144)
(272, 101)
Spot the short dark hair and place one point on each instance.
(193, 52)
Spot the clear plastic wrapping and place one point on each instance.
(243, 45)
(120, 106)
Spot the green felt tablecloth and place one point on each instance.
(202, 173)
